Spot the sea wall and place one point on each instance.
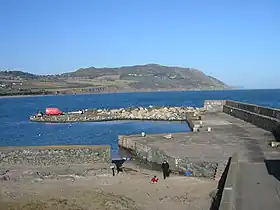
(214, 105)
(54, 155)
(228, 197)
(262, 117)
(266, 111)
(154, 155)
(132, 113)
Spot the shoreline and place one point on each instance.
(134, 91)
(113, 92)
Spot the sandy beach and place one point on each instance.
(93, 187)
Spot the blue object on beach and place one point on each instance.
(188, 173)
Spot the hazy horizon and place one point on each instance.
(236, 42)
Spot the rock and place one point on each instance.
(168, 136)
(275, 144)
(213, 193)
(38, 180)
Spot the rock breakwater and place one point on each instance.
(55, 156)
(131, 113)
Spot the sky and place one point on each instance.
(236, 41)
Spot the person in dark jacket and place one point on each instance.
(165, 169)
(119, 162)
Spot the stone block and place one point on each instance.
(214, 105)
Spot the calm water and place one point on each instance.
(15, 129)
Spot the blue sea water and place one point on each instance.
(16, 130)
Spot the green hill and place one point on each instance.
(127, 78)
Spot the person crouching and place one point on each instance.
(154, 180)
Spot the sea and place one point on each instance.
(17, 130)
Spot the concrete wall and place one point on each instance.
(269, 112)
(214, 105)
(144, 152)
(229, 190)
(262, 117)
(153, 155)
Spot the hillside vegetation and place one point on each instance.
(128, 78)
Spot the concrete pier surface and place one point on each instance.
(198, 150)
(257, 188)
(226, 128)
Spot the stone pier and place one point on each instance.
(205, 152)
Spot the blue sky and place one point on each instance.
(237, 41)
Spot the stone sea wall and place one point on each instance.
(54, 155)
(178, 165)
(132, 113)
(266, 111)
(262, 117)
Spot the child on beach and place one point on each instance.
(154, 180)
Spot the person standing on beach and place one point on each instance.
(165, 169)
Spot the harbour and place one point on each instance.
(229, 143)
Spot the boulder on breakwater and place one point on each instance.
(131, 113)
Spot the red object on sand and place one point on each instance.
(154, 180)
(53, 111)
